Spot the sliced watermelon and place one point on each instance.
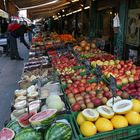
(24, 119)
(43, 118)
(6, 134)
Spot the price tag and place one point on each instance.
(112, 86)
(98, 72)
(39, 87)
(87, 64)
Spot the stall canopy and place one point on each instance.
(43, 8)
(3, 14)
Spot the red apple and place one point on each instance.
(75, 90)
(87, 96)
(70, 95)
(87, 100)
(76, 107)
(97, 102)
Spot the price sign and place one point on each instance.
(39, 86)
(87, 64)
(98, 72)
(112, 86)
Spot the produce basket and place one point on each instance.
(126, 133)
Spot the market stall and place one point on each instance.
(73, 90)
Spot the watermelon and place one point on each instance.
(28, 134)
(6, 134)
(14, 125)
(43, 118)
(24, 119)
(59, 131)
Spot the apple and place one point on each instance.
(83, 106)
(76, 107)
(100, 95)
(106, 88)
(82, 89)
(75, 90)
(133, 71)
(119, 93)
(88, 89)
(78, 97)
(118, 82)
(87, 96)
(124, 81)
(72, 100)
(131, 79)
(81, 101)
(87, 100)
(70, 95)
(128, 73)
(125, 95)
(106, 94)
(90, 105)
(104, 100)
(97, 102)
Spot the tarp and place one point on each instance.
(3, 14)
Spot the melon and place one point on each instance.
(6, 134)
(58, 104)
(133, 117)
(28, 134)
(14, 125)
(123, 106)
(105, 111)
(43, 118)
(53, 98)
(110, 101)
(119, 121)
(24, 119)
(104, 125)
(59, 131)
(90, 114)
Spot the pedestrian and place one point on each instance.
(15, 31)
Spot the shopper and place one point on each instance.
(15, 31)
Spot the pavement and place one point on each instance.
(10, 74)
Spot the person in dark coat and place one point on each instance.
(16, 31)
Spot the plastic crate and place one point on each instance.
(126, 133)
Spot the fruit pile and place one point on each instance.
(124, 71)
(105, 118)
(133, 89)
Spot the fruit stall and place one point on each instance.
(72, 91)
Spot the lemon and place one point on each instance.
(103, 125)
(133, 117)
(80, 118)
(88, 129)
(119, 121)
(90, 114)
(136, 105)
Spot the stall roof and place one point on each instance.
(43, 8)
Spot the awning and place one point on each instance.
(44, 8)
(3, 14)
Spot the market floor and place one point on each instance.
(10, 74)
